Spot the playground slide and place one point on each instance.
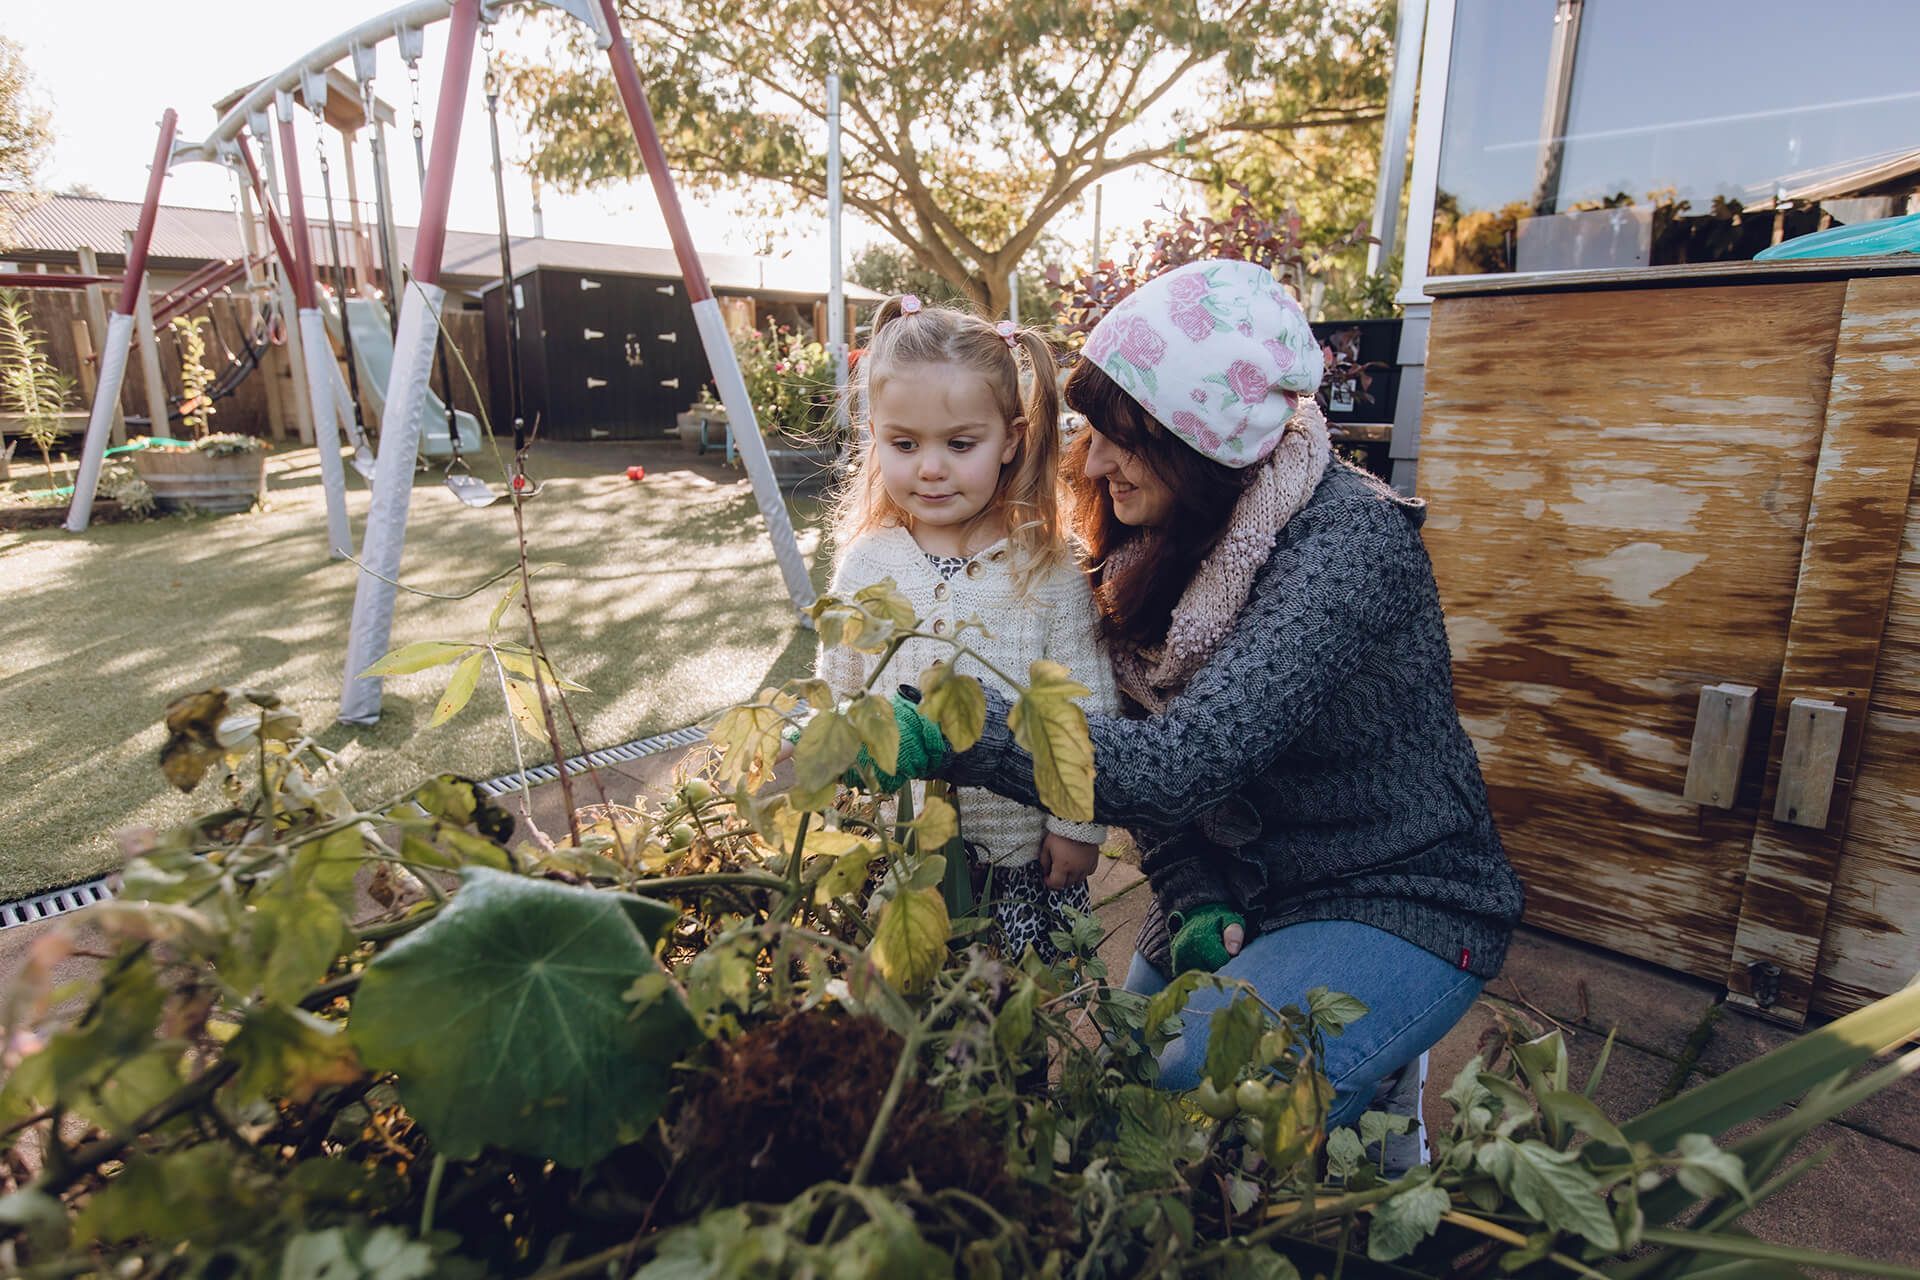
(373, 359)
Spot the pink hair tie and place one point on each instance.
(1011, 332)
(909, 304)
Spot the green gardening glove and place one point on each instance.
(1196, 936)
(923, 750)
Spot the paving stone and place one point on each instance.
(1582, 986)
(1120, 919)
(1740, 1036)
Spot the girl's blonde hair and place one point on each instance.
(1028, 491)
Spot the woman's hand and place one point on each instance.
(1065, 862)
(1206, 937)
(923, 750)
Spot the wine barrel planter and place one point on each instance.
(802, 468)
(218, 483)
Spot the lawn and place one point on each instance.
(661, 596)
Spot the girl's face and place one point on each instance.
(940, 440)
(1139, 497)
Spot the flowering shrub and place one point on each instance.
(790, 378)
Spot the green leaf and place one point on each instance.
(1233, 1034)
(352, 1253)
(1754, 1088)
(1706, 1170)
(1334, 1011)
(1346, 1152)
(1014, 1023)
(1733, 1246)
(298, 935)
(956, 703)
(418, 656)
(884, 601)
(872, 718)
(1256, 1263)
(1544, 1062)
(1050, 725)
(828, 746)
(459, 690)
(1376, 1125)
(910, 938)
(330, 865)
(1571, 1110)
(1171, 999)
(1553, 1186)
(41, 1216)
(1402, 1221)
(505, 1019)
(288, 1053)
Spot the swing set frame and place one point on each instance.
(418, 326)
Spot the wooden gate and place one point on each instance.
(1668, 520)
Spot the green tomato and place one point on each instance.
(1252, 1095)
(1217, 1103)
(696, 793)
(681, 836)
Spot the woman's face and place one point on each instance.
(1139, 497)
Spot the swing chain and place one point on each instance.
(413, 79)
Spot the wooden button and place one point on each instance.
(973, 569)
(940, 591)
(940, 626)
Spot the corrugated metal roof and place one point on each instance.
(59, 225)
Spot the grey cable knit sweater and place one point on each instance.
(1315, 768)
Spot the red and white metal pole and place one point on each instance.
(706, 315)
(113, 353)
(314, 345)
(400, 424)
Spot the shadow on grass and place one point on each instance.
(662, 597)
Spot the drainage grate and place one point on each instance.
(625, 753)
(54, 902)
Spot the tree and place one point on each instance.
(1326, 176)
(26, 133)
(967, 128)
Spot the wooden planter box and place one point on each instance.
(802, 468)
(183, 478)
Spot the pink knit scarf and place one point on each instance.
(1219, 588)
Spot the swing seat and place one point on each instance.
(373, 354)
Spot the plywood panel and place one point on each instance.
(1872, 944)
(1620, 484)
(1847, 570)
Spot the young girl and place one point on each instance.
(955, 499)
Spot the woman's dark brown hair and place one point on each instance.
(1136, 605)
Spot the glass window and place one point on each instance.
(1628, 133)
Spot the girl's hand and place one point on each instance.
(1065, 862)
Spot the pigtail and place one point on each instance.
(889, 311)
(1031, 489)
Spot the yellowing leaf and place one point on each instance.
(748, 737)
(523, 701)
(418, 656)
(520, 661)
(827, 747)
(872, 716)
(459, 690)
(500, 610)
(285, 1053)
(1051, 726)
(298, 935)
(910, 939)
(848, 873)
(955, 703)
(883, 600)
(936, 825)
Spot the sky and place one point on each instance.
(108, 79)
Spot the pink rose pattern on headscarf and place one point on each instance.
(1222, 326)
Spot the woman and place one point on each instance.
(1309, 809)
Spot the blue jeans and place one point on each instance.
(1413, 998)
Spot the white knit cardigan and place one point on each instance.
(1054, 618)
